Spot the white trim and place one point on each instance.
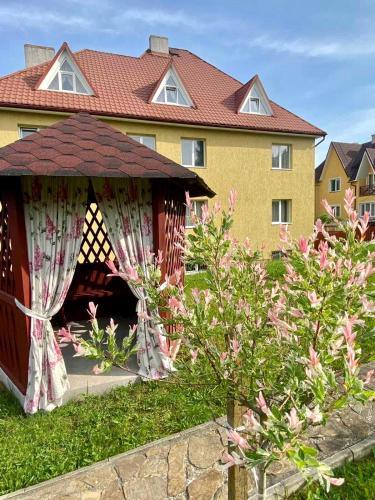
(289, 146)
(157, 122)
(362, 167)
(12, 387)
(142, 137)
(22, 127)
(366, 203)
(192, 140)
(200, 200)
(179, 87)
(329, 185)
(261, 95)
(289, 211)
(334, 206)
(56, 70)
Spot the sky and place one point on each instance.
(314, 58)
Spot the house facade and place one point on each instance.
(347, 165)
(169, 99)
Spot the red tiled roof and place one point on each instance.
(123, 86)
(81, 145)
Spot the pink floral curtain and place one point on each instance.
(126, 206)
(55, 210)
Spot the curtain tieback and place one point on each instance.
(30, 313)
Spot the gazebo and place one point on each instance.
(72, 196)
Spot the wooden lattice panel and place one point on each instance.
(175, 212)
(6, 271)
(96, 246)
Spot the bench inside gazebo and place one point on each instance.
(73, 196)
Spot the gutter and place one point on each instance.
(161, 122)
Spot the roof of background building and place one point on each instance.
(123, 86)
(82, 145)
(350, 155)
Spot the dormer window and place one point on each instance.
(172, 91)
(254, 105)
(255, 100)
(67, 80)
(66, 76)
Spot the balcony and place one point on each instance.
(367, 190)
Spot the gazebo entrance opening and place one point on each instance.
(112, 296)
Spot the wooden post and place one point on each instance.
(237, 476)
(158, 222)
(20, 268)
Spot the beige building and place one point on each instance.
(347, 165)
(169, 99)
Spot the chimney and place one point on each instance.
(159, 44)
(36, 54)
(373, 138)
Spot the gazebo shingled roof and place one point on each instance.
(82, 145)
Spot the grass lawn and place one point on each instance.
(359, 483)
(40, 447)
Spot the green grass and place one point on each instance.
(40, 447)
(359, 483)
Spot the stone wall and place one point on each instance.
(182, 466)
(186, 466)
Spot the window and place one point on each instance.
(277, 255)
(281, 211)
(146, 140)
(171, 91)
(256, 101)
(367, 207)
(254, 105)
(371, 179)
(197, 209)
(192, 152)
(336, 210)
(281, 156)
(335, 185)
(25, 131)
(67, 80)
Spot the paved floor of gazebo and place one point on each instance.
(81, 378)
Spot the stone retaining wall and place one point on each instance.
(183, 466)
(186, 466)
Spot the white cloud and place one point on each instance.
(316, 48)
(357, 126)
(18, 16)
(156, 17)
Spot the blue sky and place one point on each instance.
(314, 58)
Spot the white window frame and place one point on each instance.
(193, 140)
(30, 129)
(194, 202)
(280, 158)
(336, 179)
(141, 137)
(372, 176)
(334, 208)
(289, 212)
(362, 209)
(56, 70)
(179, 87)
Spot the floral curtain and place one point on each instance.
(55, 210)
(126, 206)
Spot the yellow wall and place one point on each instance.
(333, 168)
(239, 160)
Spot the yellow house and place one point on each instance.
(347, 165)
(169, 99)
